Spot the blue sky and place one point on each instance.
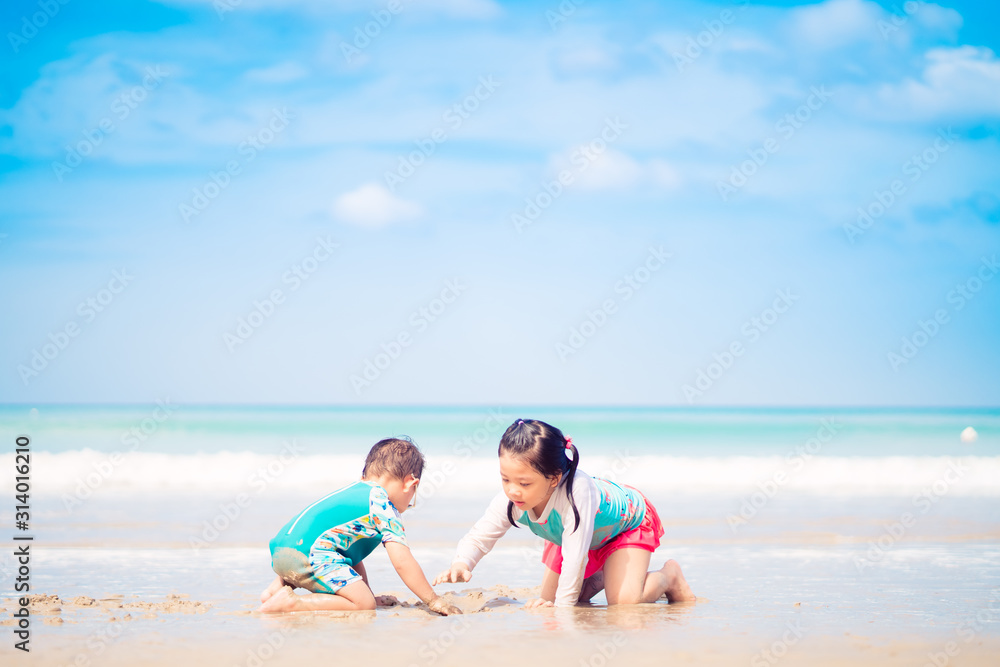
(500, 202)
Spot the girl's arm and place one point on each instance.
(550, 580)
(480, 539)
(478, 542)
(576, 544)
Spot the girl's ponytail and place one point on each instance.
(574, 462)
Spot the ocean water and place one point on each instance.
(133, 450)
(169, 474)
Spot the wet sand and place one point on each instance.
(122, 629)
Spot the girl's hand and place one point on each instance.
(441, 606)
(538, 603)
(457, 572)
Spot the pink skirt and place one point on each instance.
(645, 536)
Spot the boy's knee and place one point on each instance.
(366, 605)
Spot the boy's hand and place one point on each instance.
(441, 606)
(458, 571)
(537, 603)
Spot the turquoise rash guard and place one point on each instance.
(351, 522)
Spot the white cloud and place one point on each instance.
(281, 73)
(373, 206)
(475, 9)
(663, 174)
(613, 170)
(959, 82)
(585, 59)
(835, 23)
(936, 17)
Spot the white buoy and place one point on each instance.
(33, 414)
(969, 435)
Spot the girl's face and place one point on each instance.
(524, 486)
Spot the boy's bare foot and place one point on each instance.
(677, 586)
(284, 599)
(592, 585)
(271, 589)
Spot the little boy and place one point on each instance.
(322, 547)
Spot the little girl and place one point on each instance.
(595, 530)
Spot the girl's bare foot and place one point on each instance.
(677, 589)
(284, 599)
(592, 585)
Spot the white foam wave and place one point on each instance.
(87, 472)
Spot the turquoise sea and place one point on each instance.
(719, 473)
(167, 426)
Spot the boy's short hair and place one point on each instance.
(397, 456)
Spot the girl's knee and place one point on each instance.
(626, 598)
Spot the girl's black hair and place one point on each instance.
(544, 448)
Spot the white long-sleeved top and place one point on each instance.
(606, 510)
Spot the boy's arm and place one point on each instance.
(359, 567)
(409, 571)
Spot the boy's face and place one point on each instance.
(401, 491)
